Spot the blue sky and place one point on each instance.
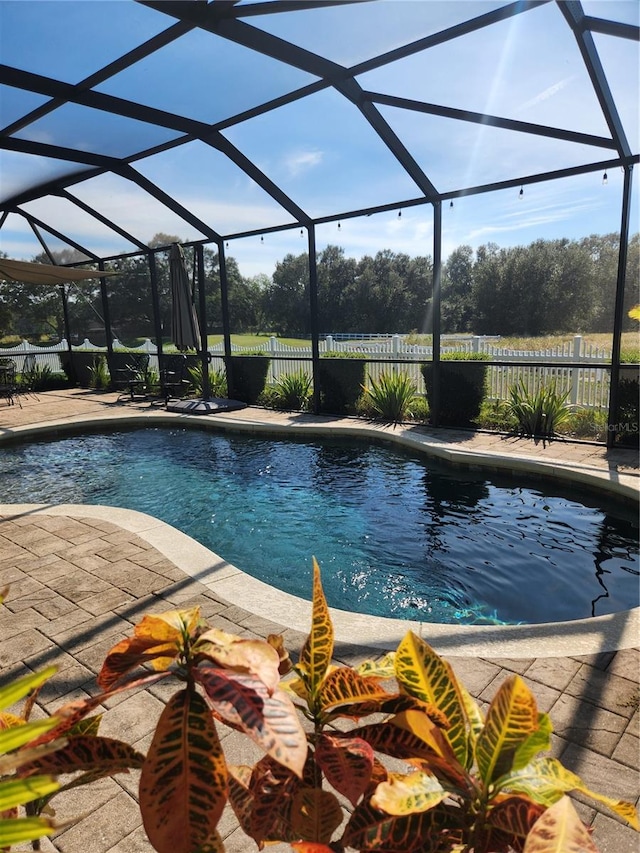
(321, 151)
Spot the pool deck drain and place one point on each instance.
(81, 576)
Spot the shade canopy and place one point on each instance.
(184, 323)
(32, 273)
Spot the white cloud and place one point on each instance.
(301, 161)
(549, 92)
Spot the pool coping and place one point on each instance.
(577, 637)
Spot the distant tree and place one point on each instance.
(287, 299)
(457, 289)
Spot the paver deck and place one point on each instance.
(80, 577)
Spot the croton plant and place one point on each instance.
(459, 779)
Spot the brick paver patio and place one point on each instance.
(79, 582)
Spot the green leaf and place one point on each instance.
(17, 792)
(511, 719)
(539, 741)
(545, 780)
(24, 829)
(16, 690)
(422, 673)
(14, 738)
(183, 785)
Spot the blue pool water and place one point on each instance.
(396, 535)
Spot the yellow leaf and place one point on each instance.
(179, 620)
(421, 726)
(405, 795)
(317, 651)
(634, 312)
(245, 655)
(559, 830)
(383, 668)
(423, 674)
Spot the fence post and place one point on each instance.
(329, 343)
(395, 351)
(575, 373)
(475, 343)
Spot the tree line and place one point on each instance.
(547, 287)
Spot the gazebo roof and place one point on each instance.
(228, 120)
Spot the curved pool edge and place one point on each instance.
(553, 639)
(611, 481)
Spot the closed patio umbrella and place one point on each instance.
(184, 323)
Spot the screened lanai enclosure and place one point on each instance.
(404, 182)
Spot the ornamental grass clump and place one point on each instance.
(217, 381)
(392, 398)
(538, 414)
(293, 391)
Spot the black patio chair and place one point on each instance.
(129, 373)
(8, 382)
(174, 376)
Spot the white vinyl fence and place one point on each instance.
(588, 384)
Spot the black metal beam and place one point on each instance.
(491, 120)
(461, 29)
(575, 17)
(191, 129)
(150, 46)
(65, 239)
(618, 312)
(275, 7)
(313, 315)
(612, 28)
(434, 402)
(149, 187)
(41, 240)
(353, 91)
(96, 215)
(202, 302)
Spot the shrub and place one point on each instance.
(341, 380)
(249, 375)
(99, 373)
(217, 381)
(586, 423)
(37, 378)
(495, 415)
(538, 414)
(477, 780)
(462, 387)
(392, 397)
(292, 391)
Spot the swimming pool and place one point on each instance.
(396, 535)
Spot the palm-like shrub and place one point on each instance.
(292, 391)
(217, 381)
(539, 413)
(392, 397)
(99, 373)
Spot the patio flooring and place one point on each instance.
(81, 576)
